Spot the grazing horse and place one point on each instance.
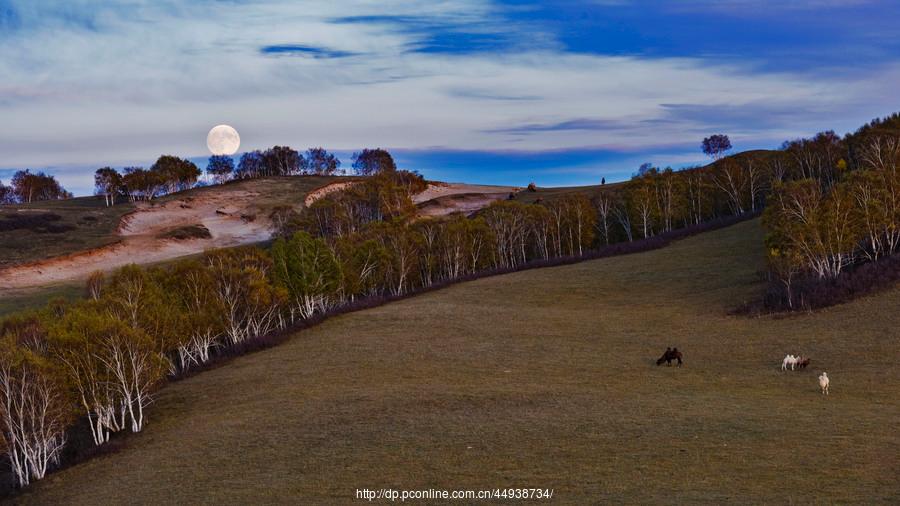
(803, 363)
(670, 355)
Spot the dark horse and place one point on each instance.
(670, 355)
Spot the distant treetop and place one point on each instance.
(716, 145)
(369, 162)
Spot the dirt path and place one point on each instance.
(325, 191)
(228, 215)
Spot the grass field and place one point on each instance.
(543, 378)
(555, 193)
(20, 300)
(90, 225)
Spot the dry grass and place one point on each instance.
(543, 378)
(84, 223)
(556, 193)
(760, 157)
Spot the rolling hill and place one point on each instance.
(542, 378)
(760, 157)
(59, 243)
(84, 224)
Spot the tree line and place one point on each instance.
(168, 174)
(171, 174)
(26, 187)
(837, 206)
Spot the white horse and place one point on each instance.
(789, 360)
(823, 382)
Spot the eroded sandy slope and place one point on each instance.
(442, 199)
(229, 215)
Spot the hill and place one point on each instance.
(89, 236)
(59, 243)
(543, 378)
(49, 229)
(761, 157)
(41, 230)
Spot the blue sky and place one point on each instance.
(557, 92)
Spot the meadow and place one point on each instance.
(75, 225)
(559, 192)
(543, 378)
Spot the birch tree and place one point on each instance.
(603, 204)
(309, 272)
(35, 411)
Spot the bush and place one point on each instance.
(188, 232)
(42, 223)
(814, 293)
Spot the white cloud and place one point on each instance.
(98, 84)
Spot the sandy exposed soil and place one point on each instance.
(436, 190)
(229, 216)
(326, 190)
(438, 199)
(466, 203)
(441, 199)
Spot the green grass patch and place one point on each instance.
(13, 301)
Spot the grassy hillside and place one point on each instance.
(550, 194)
(48, 229)
(759, 156)
(543, 378)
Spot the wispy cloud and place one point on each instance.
(300, 50)
(85, 82)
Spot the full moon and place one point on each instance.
(223, 140)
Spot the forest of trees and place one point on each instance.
(836, 205)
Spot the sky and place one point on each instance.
(486, 91)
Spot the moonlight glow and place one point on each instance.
(223, 140)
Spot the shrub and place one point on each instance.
(42, 223)
(188, 232)
(813, 293)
